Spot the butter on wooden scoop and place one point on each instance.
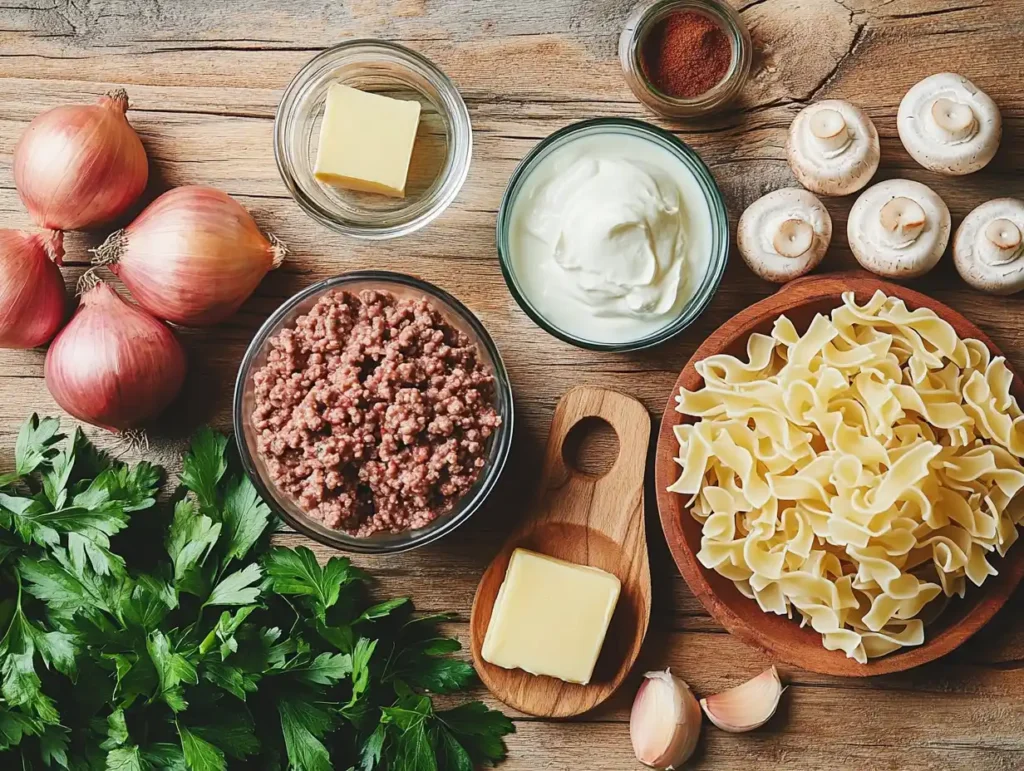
(550, 617)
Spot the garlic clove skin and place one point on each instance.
(664, 725)
(747, 706)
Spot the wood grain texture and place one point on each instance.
(799, 645)
(204, 79)
(587, 520)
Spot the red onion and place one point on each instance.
(192, 257)
(80, 165)
(114, 365)
(32, 299)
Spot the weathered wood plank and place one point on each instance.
(205, 79)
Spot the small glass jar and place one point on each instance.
(440, 158)
(645, 18)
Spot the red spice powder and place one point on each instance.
(687, 54)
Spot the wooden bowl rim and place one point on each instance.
(982, 602)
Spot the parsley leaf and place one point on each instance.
(204, 465)
(296, 571)
(34, 446)
(479, 730)
(172, 670)
(200, 755)
(233, 732)
(125, 759)
(303, 726)
(237, 588)
(191, 539)
(245, 517)
(326, 669)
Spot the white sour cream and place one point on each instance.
(609, 236)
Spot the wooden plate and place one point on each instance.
(589, 520)
(801, 300)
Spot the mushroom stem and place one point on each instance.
(793, 238)
(828, 127)
(1001, 242)
(902, 219)
(954, 120)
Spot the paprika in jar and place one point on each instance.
(686, 54)
(685, 58)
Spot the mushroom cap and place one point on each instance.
(904, 246)
(949, 125)
(988, 249)
(828, 163)
(790, 220)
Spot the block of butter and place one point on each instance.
(366, 141)
(550, 617)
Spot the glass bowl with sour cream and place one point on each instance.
(613, 235)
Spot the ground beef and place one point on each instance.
(373, 413)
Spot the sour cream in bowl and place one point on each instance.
(612, 235)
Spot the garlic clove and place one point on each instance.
(1003, 234)
(664, 725)
(747, 706)
(955, 120)
(903, 218)
(793, 238)
(828, 127)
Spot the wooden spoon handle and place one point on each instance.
(613, 503)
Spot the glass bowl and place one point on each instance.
(460, 317)
(440, 158)
(645, 17)
(704, 285)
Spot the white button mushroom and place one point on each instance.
(989, 247)
(949, 125)
(898, 228)
(833, 147)
(784, 234)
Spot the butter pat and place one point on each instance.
(550, 617)
(366, 141)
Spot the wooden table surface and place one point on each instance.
(204, 80)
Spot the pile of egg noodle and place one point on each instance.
(857, 473)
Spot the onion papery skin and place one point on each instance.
(114, 365)
(33, 303)
(192, 257)
(77, 166)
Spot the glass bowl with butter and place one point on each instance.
(372, 139)
(613, 235)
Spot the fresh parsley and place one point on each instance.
(180, 639)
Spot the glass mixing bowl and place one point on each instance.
(705, 284)
(440, 157)
(460, 317)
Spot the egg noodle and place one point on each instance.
(856, 473)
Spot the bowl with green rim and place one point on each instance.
(705, 280)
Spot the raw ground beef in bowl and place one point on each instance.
(377, 415)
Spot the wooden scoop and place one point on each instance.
(588, 520)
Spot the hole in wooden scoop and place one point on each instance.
(591, 447)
